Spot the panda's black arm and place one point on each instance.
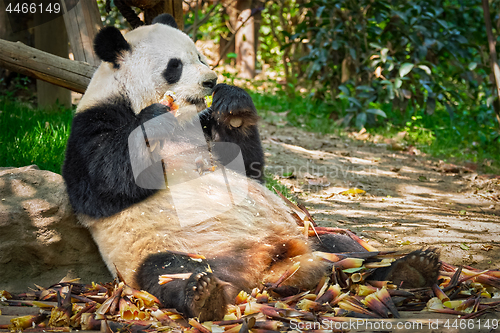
(207, 122)
(97, 168)
(251, 149)
(233, 118)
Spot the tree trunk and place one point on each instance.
(173, 7)
(495, 69)
(15, 27)
(227, 45)
(257, 24)
(245, 40)
(51, 37)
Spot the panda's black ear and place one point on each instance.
(166, 19)
(109, 43)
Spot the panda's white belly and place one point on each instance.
(153, 225)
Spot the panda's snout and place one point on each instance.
(209, 83)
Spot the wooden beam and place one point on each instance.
(51, 37)
(70, 74)
(83, 21)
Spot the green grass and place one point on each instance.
(271, 182)
(471, 135)
(30, 136)
(300, 112)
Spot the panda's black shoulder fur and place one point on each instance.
(97, 168)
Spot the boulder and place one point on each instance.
(40, 239)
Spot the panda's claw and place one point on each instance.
(204, 292)
(418, 269)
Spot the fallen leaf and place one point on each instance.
(414, 151)
(353, 191)
(486, 247)
(397, 146)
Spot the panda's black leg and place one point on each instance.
(233, 118)
(419, 268)
(200, 295)
(336, 243)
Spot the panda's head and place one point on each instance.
(147, 62)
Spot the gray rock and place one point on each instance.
(40, 239)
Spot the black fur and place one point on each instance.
(166, 19)
(231, 102)
(97, 168)
(109, 43)
(173, 72)
(201, 295)
(336, 243)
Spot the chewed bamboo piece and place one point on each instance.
(166, 278)
(168, 99)
(118, 304)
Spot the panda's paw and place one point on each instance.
(153, 111)
(233, 108)
(205, 296)
(158, 122)
(200, 288)
(420, 268)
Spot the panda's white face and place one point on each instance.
(161, 58)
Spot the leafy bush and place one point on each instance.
(424, 55)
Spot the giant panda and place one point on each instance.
(144, 231)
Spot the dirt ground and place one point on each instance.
(411, 200)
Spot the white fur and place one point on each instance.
(152, 226)
(140, 74)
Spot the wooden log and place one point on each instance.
(70, 74)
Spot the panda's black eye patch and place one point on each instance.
(173, 72)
